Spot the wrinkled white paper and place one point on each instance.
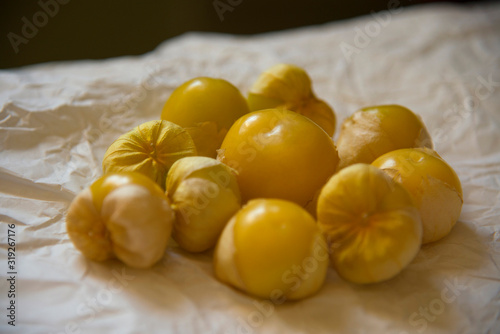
(57, 119)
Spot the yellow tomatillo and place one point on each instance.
(272, 249)
(373, 131)
(206, 108)
(150, 149)
(371, 225)
(204, 194)
(289, 87)
(122, 215)
(433, 184)
(279, 154)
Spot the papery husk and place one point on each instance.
(289, 87)
(139, 225)
(207, 138)
(204, 193)
(128, 221)
(363, 137)
(370, 223)
(87, 230)
(150, 149)
(439, 201)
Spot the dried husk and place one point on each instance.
(150, 149)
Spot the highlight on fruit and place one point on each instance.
(272, 249)
(206, 108)
(279, 154)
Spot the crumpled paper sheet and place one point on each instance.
(57, 120)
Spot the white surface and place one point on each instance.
(56, 121)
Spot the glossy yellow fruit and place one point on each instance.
(122, 215)
(150, 149)
(289, 87)
(279, 154)
(204, 194)
(433, 184)
(370, 223)
(272, 249)
(373, 131)
(206, 108)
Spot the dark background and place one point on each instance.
(92, 29)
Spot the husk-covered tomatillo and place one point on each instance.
(204, 194)
(150, 149)
(289, 87)
(206, 108)
(122, 215)
(272, 249)
(373, 131)
(433, 184)
(371, 225)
